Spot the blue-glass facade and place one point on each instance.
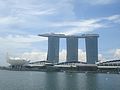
(91, 49)
(53, 50)
(72, 49)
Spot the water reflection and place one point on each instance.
(91, 82)
(63, 81)
(51, 81)
(70, 81)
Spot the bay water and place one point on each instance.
(34, 80)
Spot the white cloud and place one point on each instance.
(83, 26)
(39, 56)
(17, 43)
(100, 2)
(22, 39)
(23, 7)
(112, 54)
(101, 58)
(82, 23)
(89, 25)
(35, 56)
(81, 55)
(8, 20)
(83, 29)
(62, 55)
(117, 53)
(114, 18)
(52, 16)
(23, 15)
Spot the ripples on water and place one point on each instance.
(28, 80)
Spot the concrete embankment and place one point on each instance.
(93, 68)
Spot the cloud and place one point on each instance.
(114, 18)
(62, 55)
(100, 2)
(8, 20)
(83, 29)
(83, 26)
(81, 55)
(46, 16)
(29, 9)
(76, 23)
(41, 55)
(26, 7)
(80, 26)
(22, 39)
(16, 43)
(101, 58)
(112, 54)
(22, 16)
(117, 53)
(35, 56)
(89, 25)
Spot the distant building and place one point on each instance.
(91, 41)
(17, 61)
(109, 63)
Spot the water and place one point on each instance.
(30, 80)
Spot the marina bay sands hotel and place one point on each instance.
(91, 42)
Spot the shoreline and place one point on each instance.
(67, 70)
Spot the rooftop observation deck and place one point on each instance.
(66, 36)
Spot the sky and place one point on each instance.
(22, 20)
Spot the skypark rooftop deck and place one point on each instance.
(66, 36)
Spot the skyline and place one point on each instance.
(22, 21)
